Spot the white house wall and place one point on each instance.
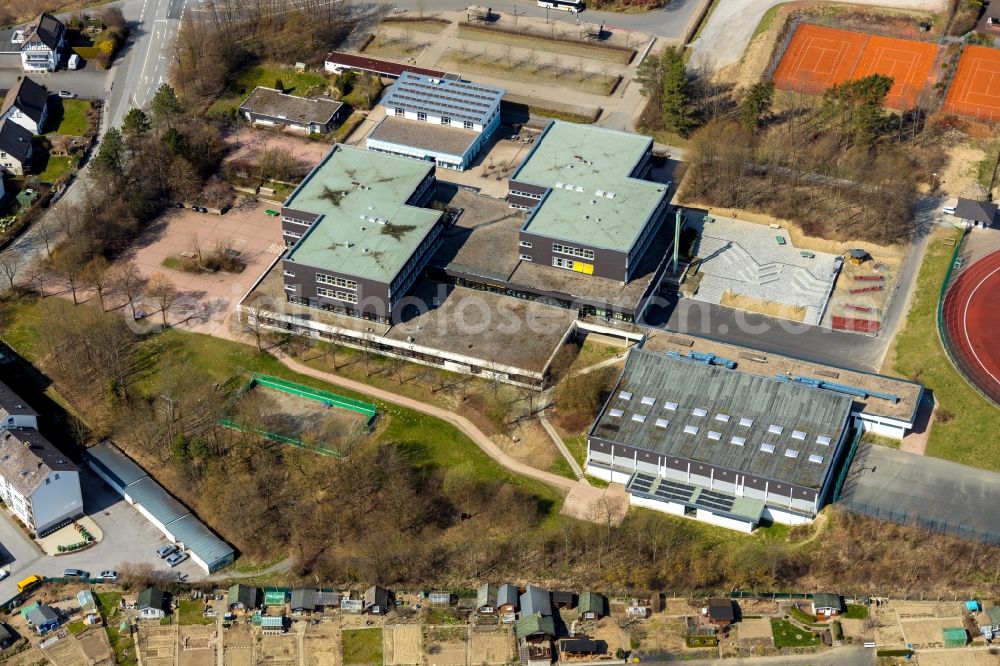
(785, 517)
(722, 521)
(455, 161)
(57, 499)
(15, 116)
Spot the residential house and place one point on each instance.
(15, 151)
(507, 602)
(377, 601)
(39, 484)
(41, 43)
(243, 597)
(563, 599)
(579, 647)
(327, 600)
(536, 601)
(14, 411)
(43, 618)
(152, 604)
(303, 600)
(534, 635)
(27, 104)
(721, 612)
(976, 213)
(486, 599)
(826, 606)
(269, 107)
(592, 606)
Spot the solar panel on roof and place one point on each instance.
(713, 500)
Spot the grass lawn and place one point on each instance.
(107, 604)
(69, 117)
(342, 132)
(765, 22)
(53, 167)
(856, 612)
(296, 83)
(76, 627)
(788, 635)
(561, 467)
(362, 646)
(192, 611)
(801, 615)
(542, 43)
(592, 353)
(965, 425)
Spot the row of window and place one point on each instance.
(573, 251)
(445, 120)
(559, 262)
(339, 295)
(526, 244)
(323, 278)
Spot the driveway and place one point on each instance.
(128, 537)
(728, 30)
(89, 82)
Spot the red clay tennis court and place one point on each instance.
(818, 57)
(971, 314)
(975, 88)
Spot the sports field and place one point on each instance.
(975, 88)
(818, 57)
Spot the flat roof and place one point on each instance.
(157, 501)
(425, 136)
(455, 99)
(769, 365)
(115, 464)
(386, 67)
(730, 419)
(366, 228)
(593, 199)
(279, 104)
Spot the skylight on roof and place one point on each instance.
(615, 413)
(691, 430)
(672, 406)
(698, 411)
(624, 395)
(823, 440)
(767, 448)
(791, 453)
(745, 422)
(646, 400)
(639, 418)
(662, 423)
(775, 429)
(714, 436)
(816, 459)
(799, 435)
(738, 441)
(722, 417)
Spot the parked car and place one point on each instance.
(75, 573)
(108, 575)
(65, 94)
(166, 551)
(74, 61)
(4, 573)
(177, 558)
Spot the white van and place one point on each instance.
(74, 61)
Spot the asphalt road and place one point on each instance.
(128, 537)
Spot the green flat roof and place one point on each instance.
(366, 229)
(592, 199)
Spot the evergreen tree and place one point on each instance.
(756, 104)
(165, 108)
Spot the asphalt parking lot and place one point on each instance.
(128, 537)
(89, 82)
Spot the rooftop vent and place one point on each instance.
(745, 422)
(662, 423)
(738, 441)
(616, 413)
(767, 448)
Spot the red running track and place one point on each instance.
(972, 321)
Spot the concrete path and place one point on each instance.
(583, 501)
(575, 466)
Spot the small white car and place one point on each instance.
(108, 575)
(65, 94)
(4, 573)
(74, 61)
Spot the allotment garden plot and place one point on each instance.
(300, 416)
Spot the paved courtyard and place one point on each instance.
(746, 267)
(207, 299)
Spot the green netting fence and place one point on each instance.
(325, 397)
(275, 437)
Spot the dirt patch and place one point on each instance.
(958, 177)
(248, 144)
(491, 647)
(533, 446)
(759, 305)
(608, 631)
(664, 634)
(94, 643)
(968, 658)
(404, 644)
(928, 633)
(446, 646)
(278, 650)
(238, 647)
(322, 645)
(854, 628)
(887, 631)
(755, 629)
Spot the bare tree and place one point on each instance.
(68, 264)
(130, 283)
(254, 316)
(10, 263)
(97, 276)
(163, 292)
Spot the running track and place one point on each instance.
(972, 321)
